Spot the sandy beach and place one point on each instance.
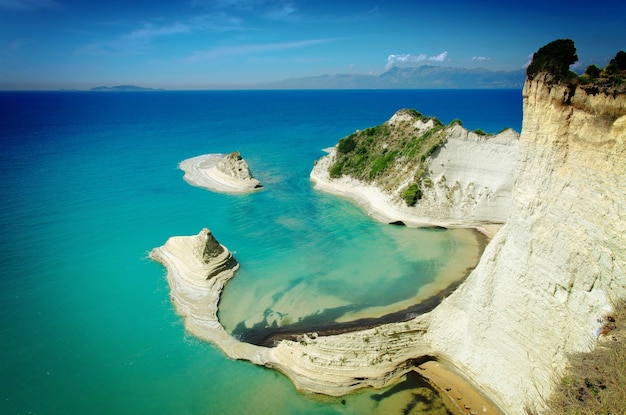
(461, 397)
(203, 171)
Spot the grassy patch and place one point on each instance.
(596, 381)
(412, 194)
(380, 153)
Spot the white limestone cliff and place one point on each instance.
(545, 282)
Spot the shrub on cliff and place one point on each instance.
(346, 145)
(554, 58)
(593, 71)
(412, 194)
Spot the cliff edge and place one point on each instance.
(540, 292)
(547, 280)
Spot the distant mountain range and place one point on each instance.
(124, 88)
(423, 77)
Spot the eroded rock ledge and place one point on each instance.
(220, 173)
(198, 268)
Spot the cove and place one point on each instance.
(340, 271)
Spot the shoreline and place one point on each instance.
(269, 338)
(461, 397)
(380, 206)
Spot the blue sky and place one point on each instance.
(189, 44)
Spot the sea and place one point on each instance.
(89, 184)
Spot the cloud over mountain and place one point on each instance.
(407, 58)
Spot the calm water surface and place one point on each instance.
(89, 184)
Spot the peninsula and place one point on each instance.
(415, 171)
(542, 288)
(220, 173)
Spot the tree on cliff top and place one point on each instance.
(618, 63)
(553, 58)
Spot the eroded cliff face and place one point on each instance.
(472, 178)
(546, 281)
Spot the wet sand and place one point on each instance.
(461, 397)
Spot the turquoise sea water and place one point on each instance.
(89, 184)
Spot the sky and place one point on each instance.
(206, 44)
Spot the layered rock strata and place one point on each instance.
(220, 173)
(469, 178)
(547, 279)
(198, 268)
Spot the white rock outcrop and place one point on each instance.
(220, 173)
(198, 268)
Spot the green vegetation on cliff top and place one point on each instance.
(379, 153)
(555, 58)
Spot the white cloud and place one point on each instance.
(285, 12)
(26, 5)
(247, 49)
(481, 59)
(135, 41)
(393, 60)
(529, 61)
(150, 31)
(277, 10)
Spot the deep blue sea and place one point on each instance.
(89, 185)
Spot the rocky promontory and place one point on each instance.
(198, 268)
(414, 170)
(220, 173)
